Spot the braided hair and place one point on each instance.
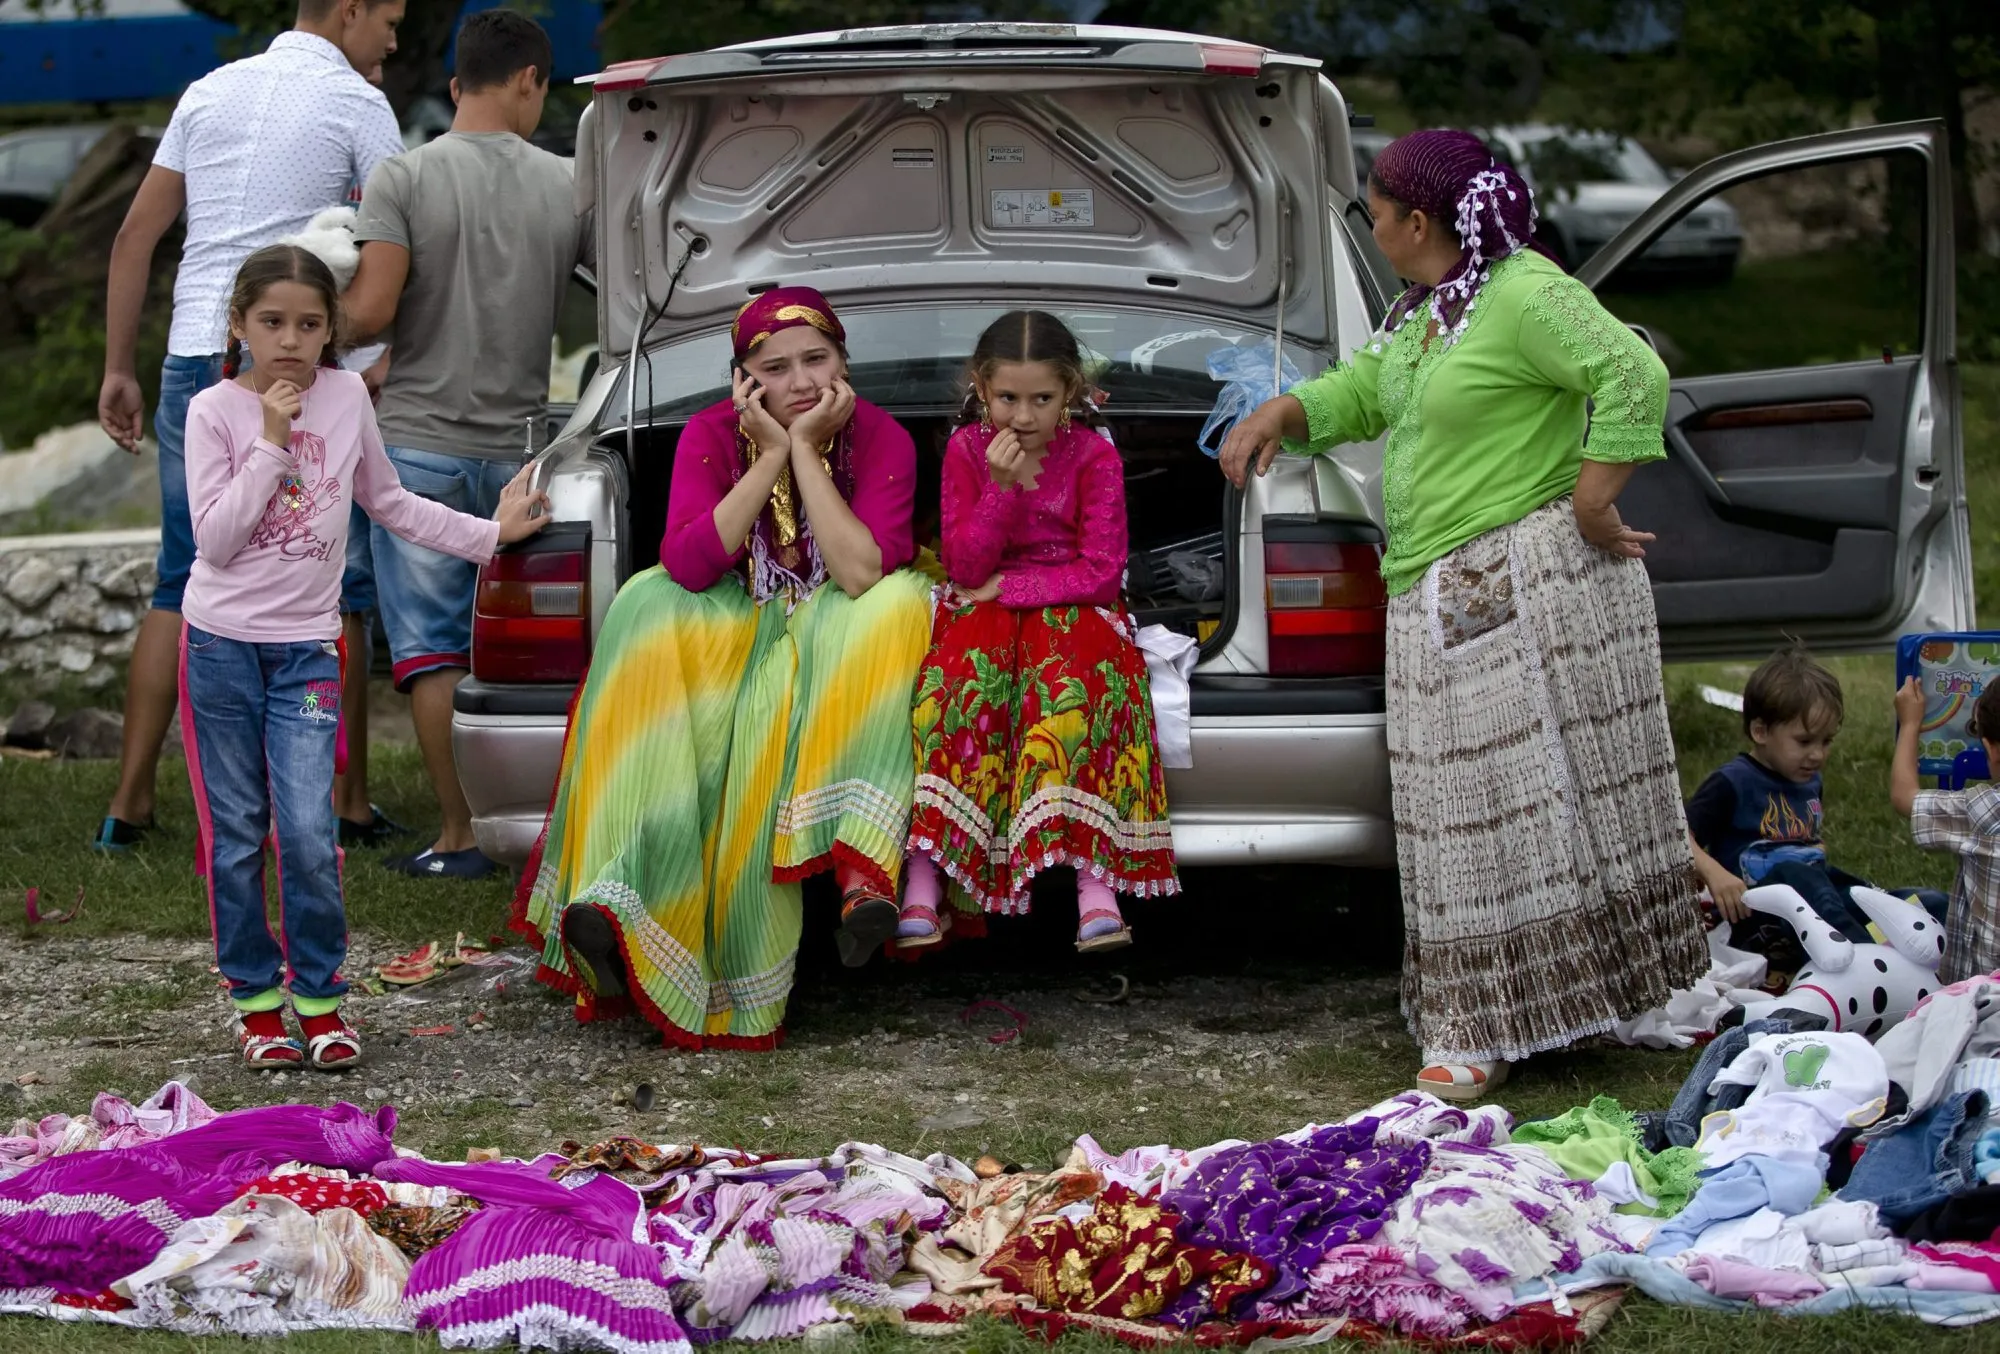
(268, 266)
(1027, 336)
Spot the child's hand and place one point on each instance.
(521, 514)
(1909, 704)
(989, 591)
(1728, 891)
(281, 406)
(1005, 460)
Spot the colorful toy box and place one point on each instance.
(1952, 669)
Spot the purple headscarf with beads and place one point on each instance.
(1452, 177)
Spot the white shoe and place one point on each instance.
(1461, 1082)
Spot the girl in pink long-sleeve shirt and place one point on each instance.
(1034, 722)
(276, 455)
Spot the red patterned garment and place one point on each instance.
(318, 1193)
(1123, 1261)
(1035, 748)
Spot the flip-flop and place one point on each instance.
(917, 915)
(1116, 939)
(418, 966)
(867, 922)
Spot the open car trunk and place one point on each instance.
(1174, 505)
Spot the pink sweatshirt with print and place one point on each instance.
(270, 522)
(1060, 543)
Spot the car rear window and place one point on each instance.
(916, 358)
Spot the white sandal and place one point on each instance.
(318, 1044)
(1461, 1083)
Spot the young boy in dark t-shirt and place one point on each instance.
(1757, 820)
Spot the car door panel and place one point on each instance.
(1820, 500)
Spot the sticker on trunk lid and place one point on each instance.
(1044, 208)
(921, 157)
(1006, 155)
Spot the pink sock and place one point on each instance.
(1093, 895)
(920, 889)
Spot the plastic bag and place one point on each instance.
(1170, 660)
(1197, 577)
(1246, 372)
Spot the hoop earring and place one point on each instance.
(985, 419)
(1062, 424)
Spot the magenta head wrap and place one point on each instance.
(1452, 177)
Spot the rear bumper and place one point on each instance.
(1264, 789)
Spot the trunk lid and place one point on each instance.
(998, 164)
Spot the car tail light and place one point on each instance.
(1217, 59)
(1326, 606)
(531, 619)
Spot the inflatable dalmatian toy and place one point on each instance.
(1862, 989)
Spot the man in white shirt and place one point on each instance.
(253, 152)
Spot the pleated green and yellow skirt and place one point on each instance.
(719, 752)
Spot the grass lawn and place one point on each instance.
(1299, 1022)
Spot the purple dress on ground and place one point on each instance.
(76, 1223)
(1289, 1202)
(547, 1264)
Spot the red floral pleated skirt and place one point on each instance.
(1035, 748)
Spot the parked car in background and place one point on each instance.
(1591, 185)
(1171, 198)
(34, 166)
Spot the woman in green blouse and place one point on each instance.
(1548, 886)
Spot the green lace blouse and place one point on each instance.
(1486, 430)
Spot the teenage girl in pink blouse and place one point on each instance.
(1034, 723)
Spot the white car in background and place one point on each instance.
(1591, 185)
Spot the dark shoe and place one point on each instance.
(379, 830)
(470, 863)
(867, 922)
(585, 930)
(118, 835)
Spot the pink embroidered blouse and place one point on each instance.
(1062, 542)
(885, 487)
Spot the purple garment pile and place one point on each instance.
(1290, 1201)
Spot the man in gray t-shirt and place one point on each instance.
(467, 248)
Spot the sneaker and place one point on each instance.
(377, 831)
(470, 863)
(115, 834)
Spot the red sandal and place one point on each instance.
(331, 1042)
(264, 1050)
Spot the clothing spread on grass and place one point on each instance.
(1410, 1220)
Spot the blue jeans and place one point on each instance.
(181, 379)
(426, 597)
(357, 577)
(259, 722)
(1922, 1163)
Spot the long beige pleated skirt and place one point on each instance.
(1548, 886)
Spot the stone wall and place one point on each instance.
(70, 606)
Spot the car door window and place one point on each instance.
(1789, 311)
(1806, 268)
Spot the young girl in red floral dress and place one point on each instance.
(1034, 723)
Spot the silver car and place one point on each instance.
(1172, 197)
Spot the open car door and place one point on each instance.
(1814, 482)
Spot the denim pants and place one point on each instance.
(259, 721)
(181, 379)
(426, 596)
(1924, 1162)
